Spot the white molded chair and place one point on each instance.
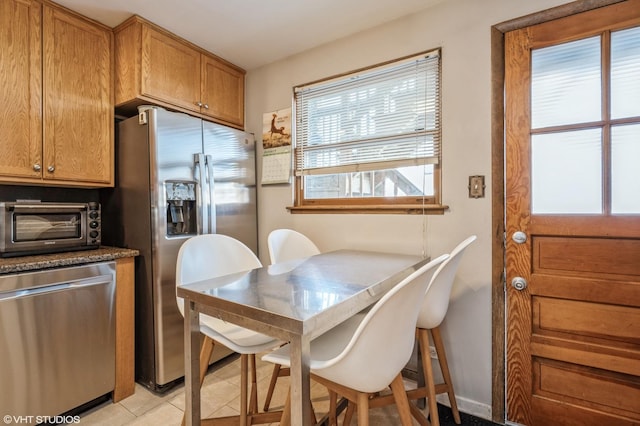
(209, 256)
(367, 353)
(432, 313)
(286, 244)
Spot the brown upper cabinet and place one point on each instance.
(155, 66)
(57, 91)
(21, 83)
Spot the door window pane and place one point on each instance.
(565, 83)
(625, 73)
(625, 178)
(566, 172)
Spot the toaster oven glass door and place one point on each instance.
(47, 226)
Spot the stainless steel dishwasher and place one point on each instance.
(57, 339)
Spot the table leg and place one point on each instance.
(192, 364)
(300, 383)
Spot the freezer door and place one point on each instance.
(175, 140)
(231, 156)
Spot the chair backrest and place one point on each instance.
(209, 256)
(287, 244)
(383, 341)
(436, 302)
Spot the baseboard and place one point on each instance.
(468, 406)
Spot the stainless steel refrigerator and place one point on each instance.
(177, 176)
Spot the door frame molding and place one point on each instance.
(498, 288)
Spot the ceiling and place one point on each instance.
(253, 33)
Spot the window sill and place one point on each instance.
(430, 209)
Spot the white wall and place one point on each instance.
(462, 29)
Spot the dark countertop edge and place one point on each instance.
(57, 260)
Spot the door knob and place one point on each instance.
(50, 169)
(519, 237)
(36, 167)
(519, 283)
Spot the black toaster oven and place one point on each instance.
(34, 227)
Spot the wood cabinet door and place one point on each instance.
(78, 100)
(20, 89)
(222, 91)
(170, 70)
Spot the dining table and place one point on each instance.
(293, 301)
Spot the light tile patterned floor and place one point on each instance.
(220, 397)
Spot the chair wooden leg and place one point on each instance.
(333, 407)
(400, 396)
(312, 412)
(427, 366)
(363, 409)
(253, 401)
(348, 415)
(444, 367)
(418, 415)
(205, 355)
(272, 386)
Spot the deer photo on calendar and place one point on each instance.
(276, 129)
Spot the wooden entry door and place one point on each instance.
(572, 90)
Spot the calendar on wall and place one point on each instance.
(276, 147)
(276, 165)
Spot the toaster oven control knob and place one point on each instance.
(93, 214)
(93, 234)
(93, 224)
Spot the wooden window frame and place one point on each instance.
(373, 205)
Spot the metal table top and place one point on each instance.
(309, 295)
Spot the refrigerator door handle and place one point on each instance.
(200, 164)
(212, 196)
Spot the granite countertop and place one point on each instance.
(56, 260)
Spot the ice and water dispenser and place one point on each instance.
(181, 208)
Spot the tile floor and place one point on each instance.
(220, 397)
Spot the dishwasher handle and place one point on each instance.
(71, 285)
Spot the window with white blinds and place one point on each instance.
(381, 118)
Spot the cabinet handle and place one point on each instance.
(50, 169)
(206, 106)
(37, 167)
(199, 103)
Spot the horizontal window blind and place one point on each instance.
(376, 119)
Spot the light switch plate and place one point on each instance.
(476, 186)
